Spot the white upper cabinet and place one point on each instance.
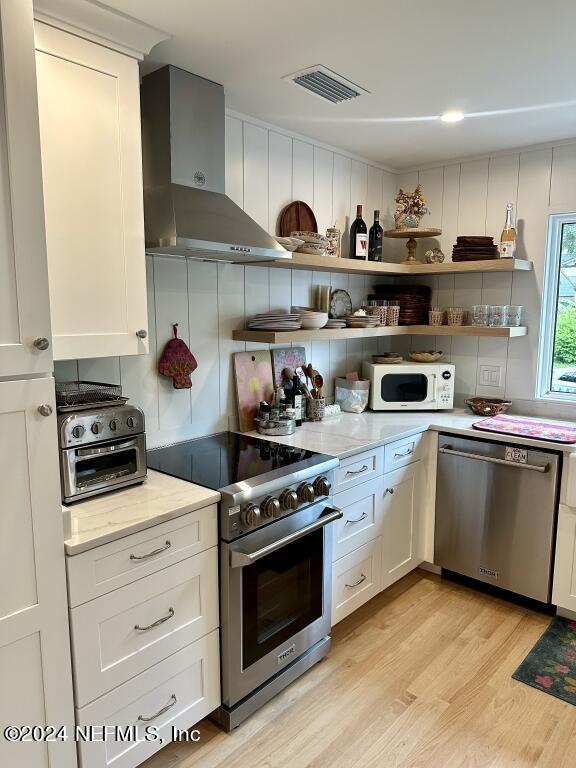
(89, 103)
(24, 307)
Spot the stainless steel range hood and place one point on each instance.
(186, 212)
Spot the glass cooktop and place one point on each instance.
(225, 459)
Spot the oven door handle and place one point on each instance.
(87, 452)
(240, 559)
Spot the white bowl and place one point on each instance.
(290, 243)
(313, 321)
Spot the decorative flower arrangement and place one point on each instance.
(410, 208)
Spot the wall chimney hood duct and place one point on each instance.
(186, 212)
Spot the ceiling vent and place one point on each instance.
(326, 84)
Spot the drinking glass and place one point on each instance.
(455, 315)
(513, 315)
(393, 313)
(497, 315)
(481, 314)
(435, 316)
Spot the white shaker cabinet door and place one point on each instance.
(403, 503)
(35, 664)
(564, 585)
(24, 306)
(89, 101)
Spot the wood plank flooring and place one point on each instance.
(420, 677)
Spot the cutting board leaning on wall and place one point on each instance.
(254, 383)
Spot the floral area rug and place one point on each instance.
(551, 664)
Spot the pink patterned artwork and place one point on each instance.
(536, 429)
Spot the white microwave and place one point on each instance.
(410, 386)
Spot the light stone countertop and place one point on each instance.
(351, 433)
(119, 513)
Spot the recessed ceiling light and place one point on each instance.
(452, 117)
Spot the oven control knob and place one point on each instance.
(322, 486)
(250, 515)
(130, 422)
(78, 431)
(96, 427)
(306, 493)
(289, 499)
(114, 424)
(270, 507)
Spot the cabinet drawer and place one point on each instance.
(358, 469)
(362, 507)
(180, 691)
(110, 566)
(356, 579)
(403, 452)
(121, 634)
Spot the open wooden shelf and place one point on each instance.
(335, 334)
(377, 268)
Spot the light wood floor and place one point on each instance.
(419, 677)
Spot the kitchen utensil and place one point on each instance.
(480, 314)
(310, 238)
(387, 358)
(497, 315)
(254, 383)
(297, 216)
(340, 304)
(425, 356)
(487, 406)
(455, 315)
(318, 384)
(290, 243)
(513, 315)
(81, 395)
(435, 316)
(309, 371)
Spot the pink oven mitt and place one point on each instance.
(177, 361)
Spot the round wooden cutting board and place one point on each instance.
(297, 217)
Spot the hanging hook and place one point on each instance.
(175, 330)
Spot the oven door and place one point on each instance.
(90, 470)
(276, 597)
(409, 389)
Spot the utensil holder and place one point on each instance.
(316, 409)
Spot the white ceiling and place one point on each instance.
(515, 58)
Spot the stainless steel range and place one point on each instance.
(275, 559)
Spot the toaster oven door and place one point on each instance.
(95, 469)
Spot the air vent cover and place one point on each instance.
(326, 84)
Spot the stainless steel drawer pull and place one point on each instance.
(464, 454)
(389, 491)
(357, 584)
(409, 452)
(358, 520)
(168, 706)
(153, 553)
(156, 623)
(357, 471)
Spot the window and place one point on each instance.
(557, 364)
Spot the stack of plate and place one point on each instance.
(414, 301)
(275, 321)
(362, 321)
(335, 324)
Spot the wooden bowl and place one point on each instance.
(487, 406)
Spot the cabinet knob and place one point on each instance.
(41, 343)
(142, 334)
(45, 409)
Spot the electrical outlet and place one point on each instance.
(490, 375)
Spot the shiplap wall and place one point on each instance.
(470, 198)
(265, 170)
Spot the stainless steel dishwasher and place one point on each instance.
(496, 513)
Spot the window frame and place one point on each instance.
(549, 310)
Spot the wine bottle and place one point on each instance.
(358, 236)
(375, 239)
(507, 247)
(296, 395)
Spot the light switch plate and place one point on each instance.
(490, 375)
